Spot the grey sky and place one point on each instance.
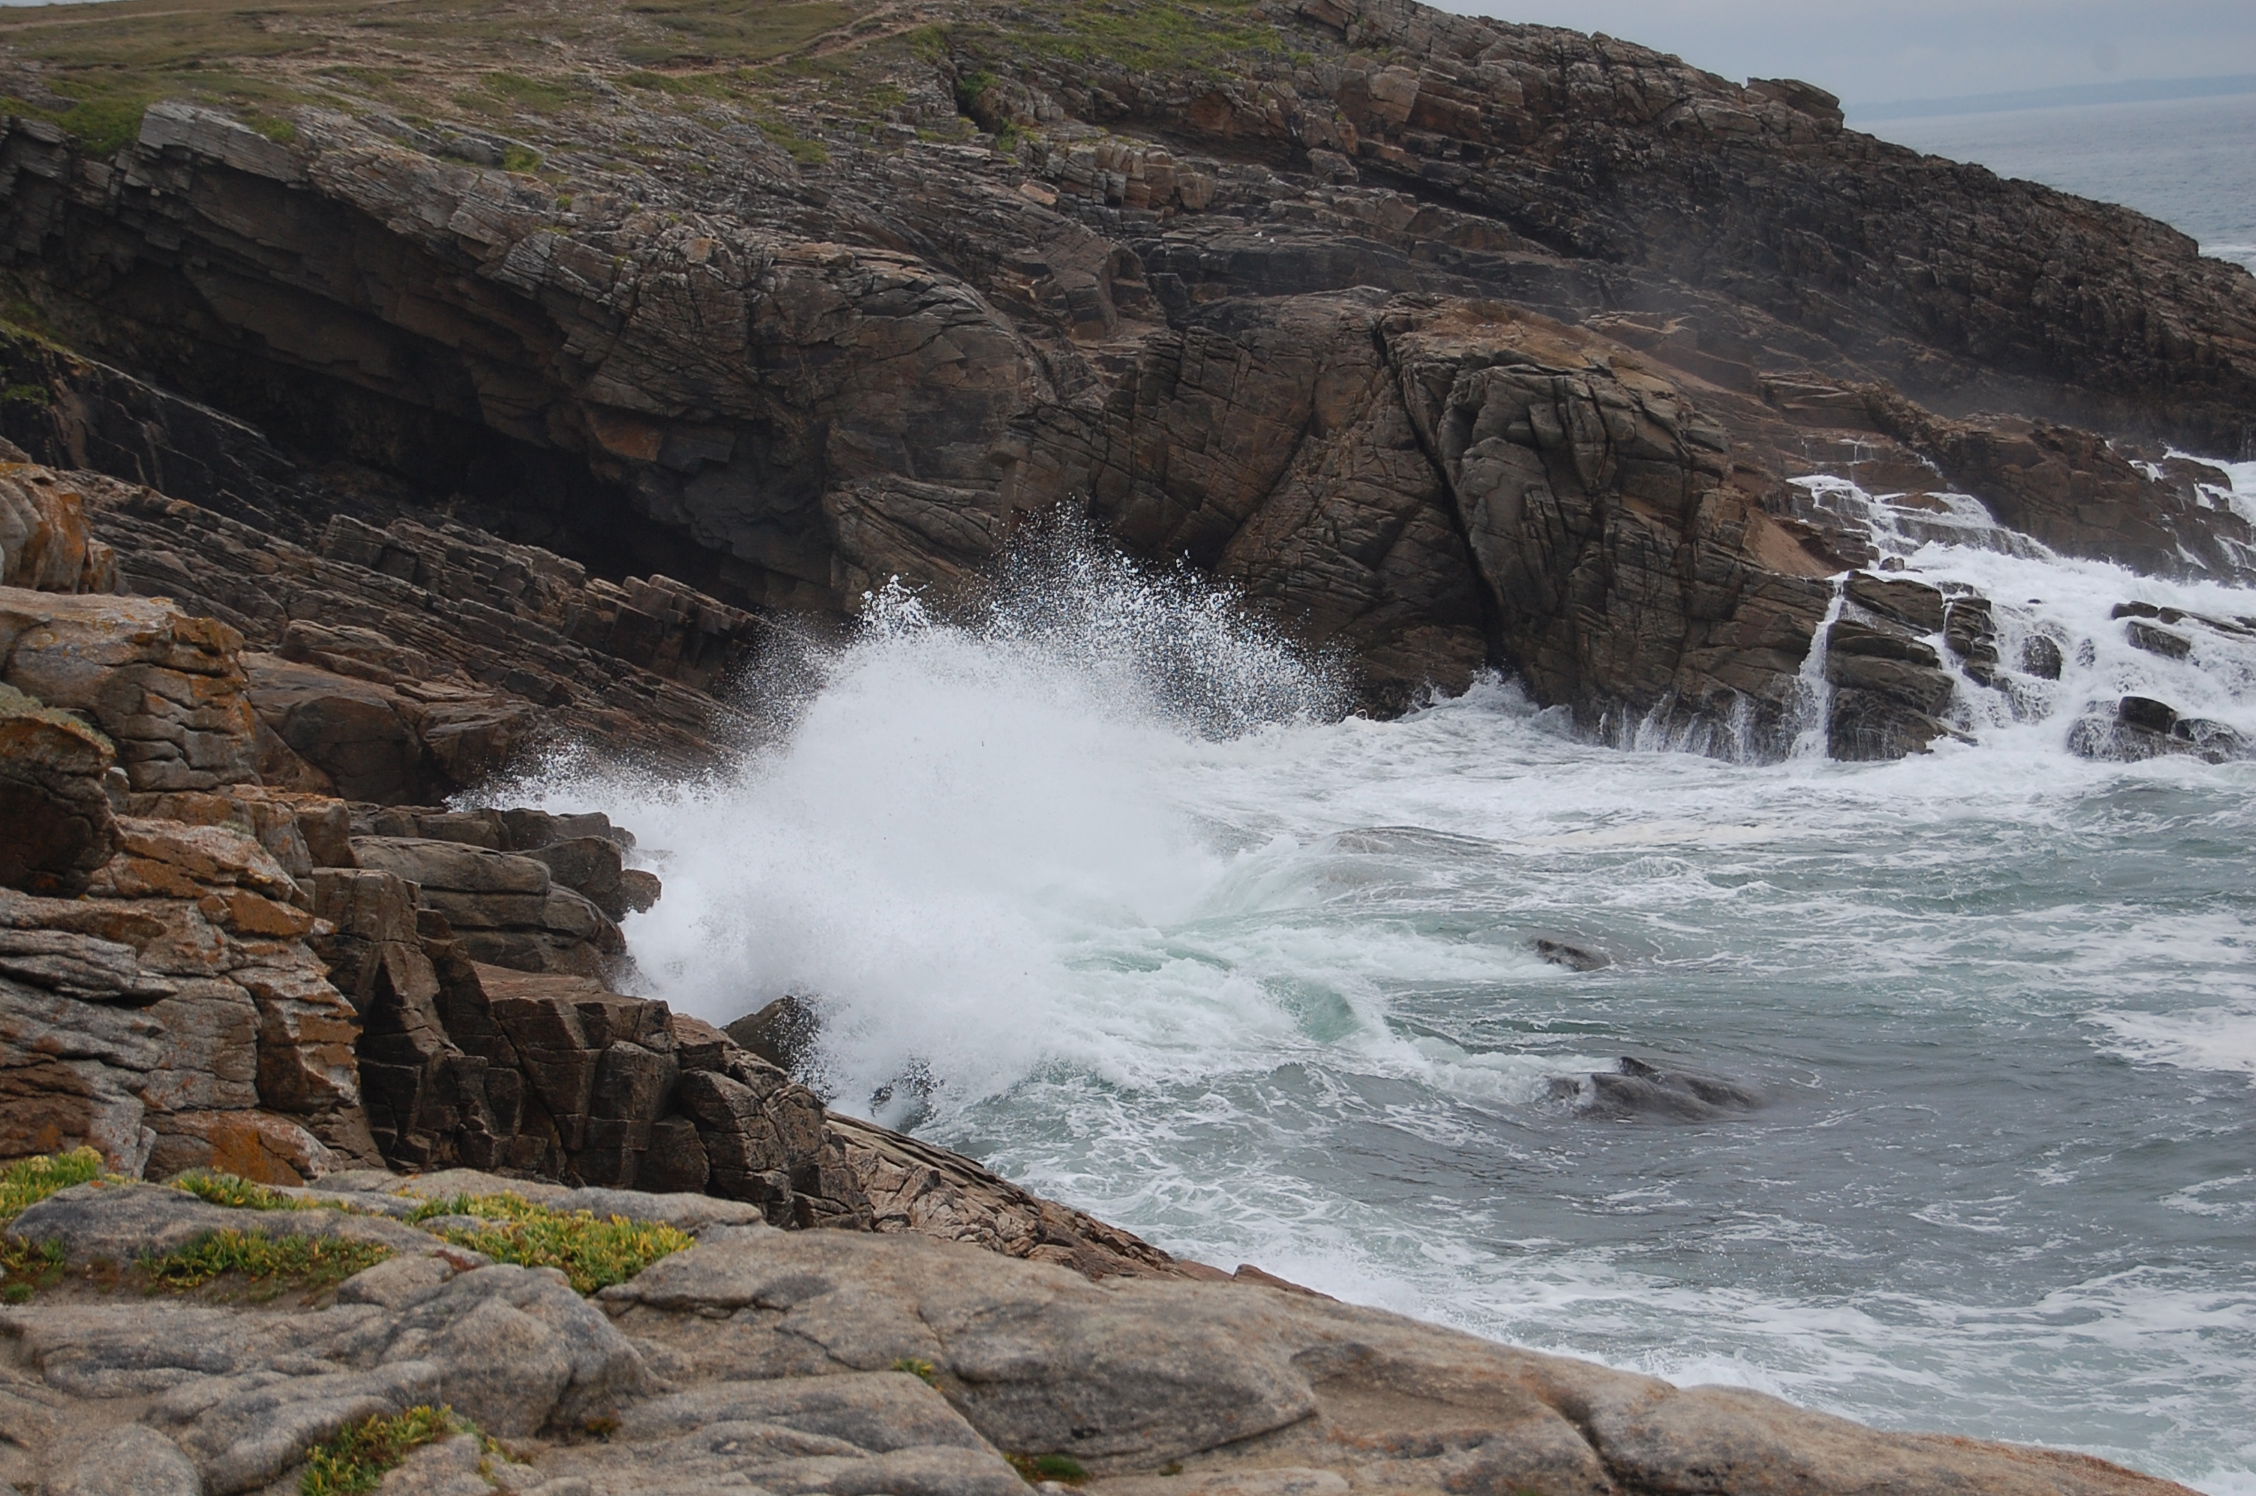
(1914, 49)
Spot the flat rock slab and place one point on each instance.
(831, 1363)
(122, 1222)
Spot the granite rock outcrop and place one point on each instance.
(858, 1363)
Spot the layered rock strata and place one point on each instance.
(1456, 343)
(200, 969)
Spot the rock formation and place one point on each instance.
(1453, 342)
(822, 1362)
(204, 962)
(370, 430)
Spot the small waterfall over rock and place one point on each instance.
(1813, 693)
(2088, 656)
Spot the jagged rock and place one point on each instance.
(2141, 728)
(2076, 493)
(1247, 307)
(551, 1073)
(783, 1033)
(166, 688)
(174, 1015)
(2157, 641)
(1970, 632)
(54, 809)
(44, 541)
(504, 908)
(477, 649)
(915, 1186)
(1572, 957)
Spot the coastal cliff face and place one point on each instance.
(395, 397)
(1454, 343)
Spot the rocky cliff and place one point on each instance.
(1453, 342)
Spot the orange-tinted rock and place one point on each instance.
(44, 541)
(165, 687)
(252, 1145)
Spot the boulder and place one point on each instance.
(356, 732)
(2141, 728)
(783, 1033)
(1638, 1089)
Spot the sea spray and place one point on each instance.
(1262, 987)
(957, 811)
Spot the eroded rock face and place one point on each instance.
(1454, 342)
(45, 544)
(165, 687)
(54, 805)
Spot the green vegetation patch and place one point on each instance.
(707, 31)
(1036, 1468)
(272, 1263)
(593, 1252)
(355, 1461)
(26, 1182)
(236, 1193)
(923, 1370)
(26, 1267)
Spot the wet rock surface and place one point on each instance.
(1638, 1089)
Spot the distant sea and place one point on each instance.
(2188, 162)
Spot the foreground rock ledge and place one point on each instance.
(829, 1361)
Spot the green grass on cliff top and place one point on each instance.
(95, 68)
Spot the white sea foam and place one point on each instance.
(1160, 936)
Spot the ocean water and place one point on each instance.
(2189, 162)
(1097, 887)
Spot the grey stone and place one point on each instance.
(518, 1350)
(129, 1461)
(259, 1426)
(122, 1222)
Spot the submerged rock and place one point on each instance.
(2141, 727)
(1572, 957)
(1638, 1089)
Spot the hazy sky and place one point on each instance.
(1918, 49)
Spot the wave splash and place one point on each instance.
(956, 811)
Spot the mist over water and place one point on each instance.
(1096, 885)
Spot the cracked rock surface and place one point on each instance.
(870, 1365)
